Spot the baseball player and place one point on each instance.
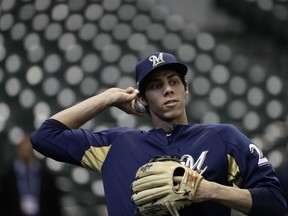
(176, 168)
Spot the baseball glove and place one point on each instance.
(156, 193)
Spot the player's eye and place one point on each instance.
(154, 85)
(174, 82)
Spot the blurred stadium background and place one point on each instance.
(54, 53)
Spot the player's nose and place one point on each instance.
(168, 90)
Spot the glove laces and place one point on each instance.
(172, 208)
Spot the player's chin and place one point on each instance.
(167, 114)
(172, 113)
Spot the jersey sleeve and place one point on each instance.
(75, 146)
(250, 169)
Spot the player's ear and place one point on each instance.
(186, 88)
(142, 100)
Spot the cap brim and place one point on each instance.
(178, 67)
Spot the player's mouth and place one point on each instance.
(171, 103)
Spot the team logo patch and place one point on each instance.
(156, 60)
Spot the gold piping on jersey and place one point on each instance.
(233, 171)
(94, 157)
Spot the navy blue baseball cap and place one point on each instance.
(155, 62)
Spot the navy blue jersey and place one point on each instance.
(227, 156)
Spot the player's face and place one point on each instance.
(165, 96)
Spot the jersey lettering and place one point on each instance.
(188, 161)
(262, 160)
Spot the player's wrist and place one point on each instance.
(205, 191)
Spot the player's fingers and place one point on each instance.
(132, 90)
(177, 179)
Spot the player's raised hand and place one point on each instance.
(126, 100)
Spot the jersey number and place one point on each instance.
(262, 160)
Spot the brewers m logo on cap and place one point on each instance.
(156, 60)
